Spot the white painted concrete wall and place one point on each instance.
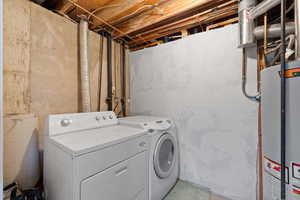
(197, 82)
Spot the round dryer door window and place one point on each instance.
(164, 156)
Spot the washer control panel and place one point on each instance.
(64, 123)
(161, 125)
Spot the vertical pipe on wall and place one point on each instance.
(255, 98)
(1, 98)
(283, 101)
(109, 72)
(297, 28)
(84, 65)
(123, 72)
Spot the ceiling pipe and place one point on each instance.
(274, 30)
(263, 7)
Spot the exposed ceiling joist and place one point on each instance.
(141, 22)
(196, 20)
(168, 9)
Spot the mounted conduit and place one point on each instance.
(84, 65)
(255, 98)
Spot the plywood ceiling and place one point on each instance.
(142, 23)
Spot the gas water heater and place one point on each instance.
(271, 120)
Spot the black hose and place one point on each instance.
(123, 100)
(283, 101)
(109, 72)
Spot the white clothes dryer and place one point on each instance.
(91, 156)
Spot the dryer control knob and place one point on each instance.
(65, 122)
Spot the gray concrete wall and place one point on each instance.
(197, 82)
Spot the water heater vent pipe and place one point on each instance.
(247, 13)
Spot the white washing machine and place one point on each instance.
(90, 156)
(163, 153)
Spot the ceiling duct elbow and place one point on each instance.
(246, 24)
(263, 7)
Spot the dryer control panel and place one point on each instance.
(64, 123)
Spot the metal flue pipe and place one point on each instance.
(246, 24)
(274, 31)
(247, 13)
(263, 7)
(84, 65)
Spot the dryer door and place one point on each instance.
(164, 156)
(124, 181)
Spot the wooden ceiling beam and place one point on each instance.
(172, 11)
(172, 31)
(125, 11)
(221, 24)
(89, 5)
(65, 6)
(188, 23)
(226, 6)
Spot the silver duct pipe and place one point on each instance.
(297, 28)
(247, 13)
(246, 24)
(84, 65)
(263, 7)
(274, 31)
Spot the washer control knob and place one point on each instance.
(142, 144)
(110, 117)
(65, 122)
(98, 118)
(151, 130)
(104, 118)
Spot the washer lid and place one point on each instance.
(84, 141)
(147, 122)
(164, 156)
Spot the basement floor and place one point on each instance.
(188, 191)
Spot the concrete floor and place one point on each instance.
(187, 191)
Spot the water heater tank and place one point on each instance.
(271, 131)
